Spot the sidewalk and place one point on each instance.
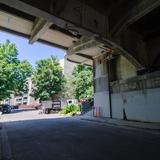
(118, 122)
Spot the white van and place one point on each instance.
(72, 101)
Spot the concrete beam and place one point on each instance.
(85, 56)
(138, 11)
(86, 20)
(123, 52)
(22, 27)
(40, 26)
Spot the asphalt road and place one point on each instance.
(29, 136)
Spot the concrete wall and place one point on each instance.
(101, 96)
(138, 105)
(137, 96)
(125, 69)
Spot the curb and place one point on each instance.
(123, 125)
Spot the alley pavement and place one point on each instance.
(28, 135)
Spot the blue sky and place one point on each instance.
(33, 52)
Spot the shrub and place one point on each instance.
(71, 108)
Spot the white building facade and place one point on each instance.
(23, 98)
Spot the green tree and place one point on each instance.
(47, 79)
(83, 82)
(68, 88)
(13, 72)
(24, 70)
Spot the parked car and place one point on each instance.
(0, 110)
(5, 108)
(14, 106)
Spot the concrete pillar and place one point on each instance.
(101, 93)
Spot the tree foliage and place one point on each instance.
(47, 79)
(25, 70)
(68, 91)
(83, 82)
(13, 72)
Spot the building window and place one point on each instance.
(19, 100)
(25, 100)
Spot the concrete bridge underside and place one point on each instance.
(119, 38)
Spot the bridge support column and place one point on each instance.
(101, 88)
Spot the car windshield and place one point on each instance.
(5, 106)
